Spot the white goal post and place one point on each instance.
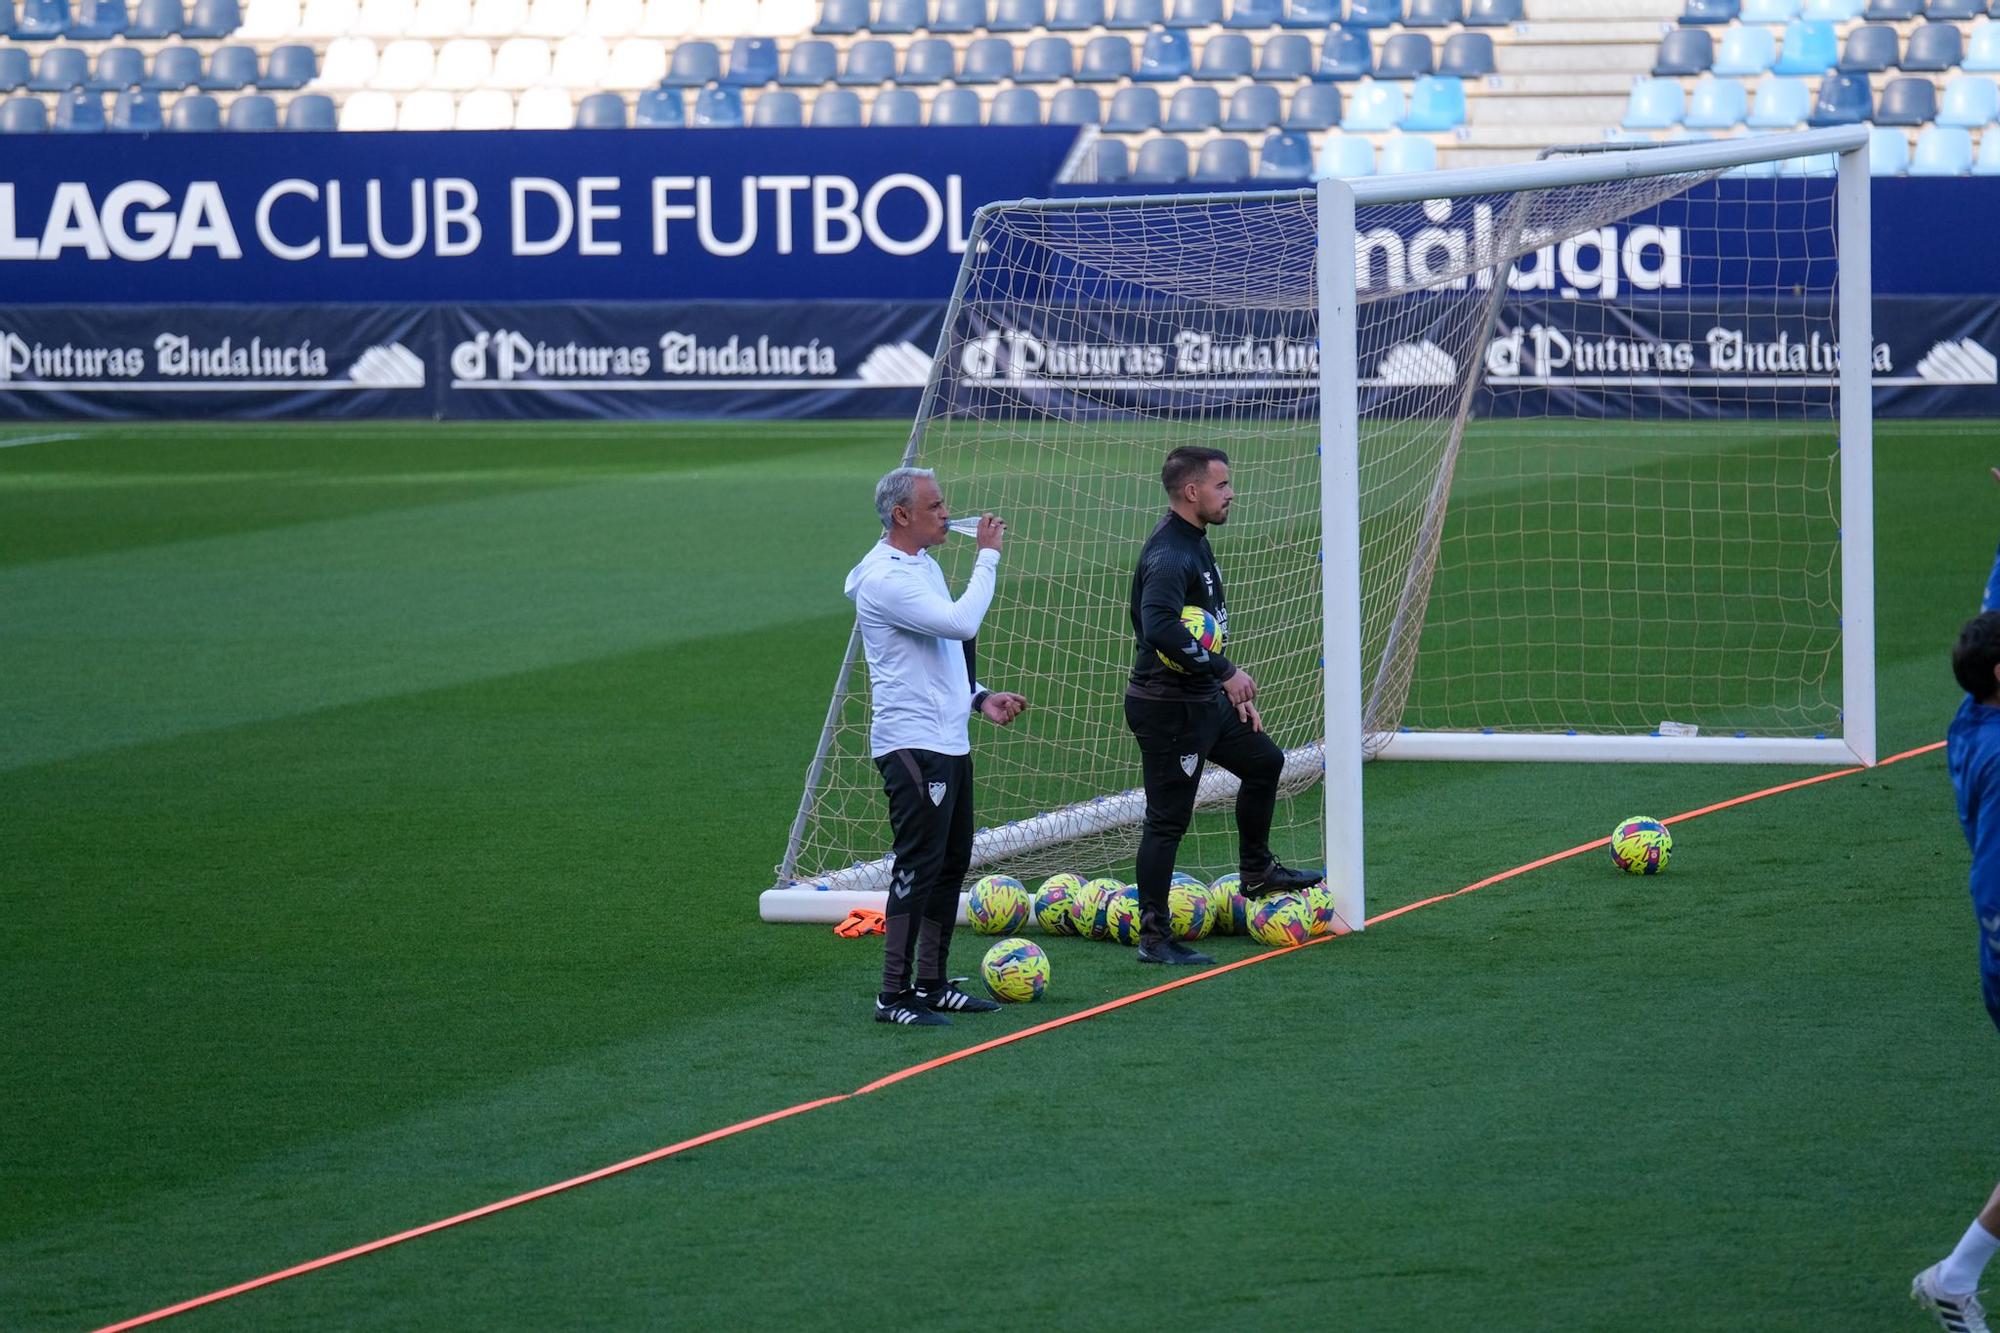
(1503, 559)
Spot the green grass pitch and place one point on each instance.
(382, 810)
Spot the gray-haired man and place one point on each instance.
(924, 687)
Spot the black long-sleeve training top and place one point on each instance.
(1176, 569)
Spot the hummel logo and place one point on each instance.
(1188, 761)
(937, 793)
(900, 882)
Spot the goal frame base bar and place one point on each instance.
(1488, 746)
(824, 907)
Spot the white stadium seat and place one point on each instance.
(580, 62)
(383, 19)
(427, 109)
(440, 19)
(486, 109)
(553, 18)
(637, 63)
(465, 63)
(497, 18)
(327, 19)
(268, 21)
(521, 62)
(544, 109)
(613, 18)
(349, 62)
(405, 64)
(669, 18)
(368, 111)
(720, 18)
(785, 18)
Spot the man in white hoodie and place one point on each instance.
(924, 689)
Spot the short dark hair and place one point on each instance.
(1188, 463)
(1976, 654)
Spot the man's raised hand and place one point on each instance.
(1001, 707)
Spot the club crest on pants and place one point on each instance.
(937, 793)
(1188, 761)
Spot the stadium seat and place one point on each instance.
(15, 67)
(1136, 14)
(1832, 11)
(1969, 101)
(1892, 11)
(753, 62)
(928, 61)
(1285, 157)
(1161, 162)
(1844, 99)
(1907, 102)
(177, 67)
(1047, 60)
(1888, 152)
(1433, 14)
(1870, 49)
(1107, 58)
(311, 111)
(1222, 162)
(659, 109)
(1653, 104)
(480, 109)
(1316, 106)
(349, 63)
(838, 18)
(1076, 106)
(1194, 13)
(1709, 11)
(1112, 160)
(662, 19)
(291, 66)
(1407, 152)
(1374, 13)
(522, 63)
(609, 19)
(253, 113)
(1768, 11)
(1778, 104)
(1015, 106)
(1076, 15)
(1018, 15)
(1716, 104)
(892, 107)
(1492, 13)
(1436, 104)
(93, 20)
(465, 63)
(1468, 55)
(80, 111)
(1374, 106)
(26, 115)
(1809, 47)
(1932, 48)
(718, 107)
(1285, 58)
(1345, 54)
(987, 60)
(1942, 150)
(405, 64)
(812, 64)
(60, 68)
(1404, 56)
(1315, 14)
(1258, 106)
(1950, 11)
(1225, 57)
(137, 111)
(383, 19)
(1987, 163)
(692, 64)
(781, 108)
(320, 18)
(212, 18)
(1982, 52)
(870, 62)
(1194, 110)
(544, 109)
(1684, 51)
(1133, 110)
(959, 16)
(1255, 14)
(41, 21)
(636, 64)
(231, 68)
(1344, 156)
(426, 110)
(1744, 51)
(1166, 57)
(957, 106)
(896, 17)
(198, 113)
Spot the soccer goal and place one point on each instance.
(1561, 461)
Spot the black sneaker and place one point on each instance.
(948, 998)
(1275, 878)
(908, 1009)
(1174, 954)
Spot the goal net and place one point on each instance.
(1567, 483)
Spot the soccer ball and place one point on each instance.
(1228, 908)
(1091, 902)
(1121, 914)
(1055, 903)
(1015, 970)
(1204, 629)
(1319, 904)
(1640, 846)
(1281, 919)
(1188, 911)
(997, 905)
(1192, 881)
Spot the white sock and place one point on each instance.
(1959, 1274)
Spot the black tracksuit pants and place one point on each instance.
(930, 816)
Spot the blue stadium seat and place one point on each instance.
(1018, 15)
(290, 66)
(753, 62)
(987, 60)
(598, 111)
(137, 111)
(1015, 106)
(1167, 56)
(901, 16)
(1716, 104)
(1436, 104)
(1312, 13)
(836, 109)
(1114, 163)
(1907, 102)
(1969, 101)
(1316, 106)
(1709, 11)
(1374, 13)
(959, 16)
(311, 112)
(1684, 51)
(23, 115)
(1257, 106)
(1933, 48)
(895, 107)
(154, 19)
(1285, 57)
(1194, 110)
(1892, 11)
(1768, 11)
(231, 68)
(1433, 14)
(1285, 157)
(1987, 163)
(195, 113)
(1745, 51)
(1653, 104)
(1344, 156)
(957, 106)
(1132, 110)
(1194, 13)
(1130, 14)
(1947, 11)
(1942, 150)
(1492, 13)
(1810, 47)
(1222, 162)
(94, 20)
(7, 19)
(1224, 58)
(1404, 56)
(870, 61)
(1076, 106)
(15, 71)
(1161, 162)
(1832, 11)
(255, 113)
(1256, 14)
(719, 107)
(659, 108)
(1982, 54)
(1467, 55)
(80, 111)
(1344, 55)
(1107, 58)
(1047, 60)
(212, 18)
(1844, 99)
(838, 18)
(1779, 103)
(1871, 48)
(781, 109)
(694, 64)
(1374, 106)
(41, 21)
(811, 65)
(929, 61)
(59, 69)
(1407, 152)
(1888, 152)
(1076, 15)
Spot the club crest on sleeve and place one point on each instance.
(1188, 761)
(937, 793)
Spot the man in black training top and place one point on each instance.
(1188, 705)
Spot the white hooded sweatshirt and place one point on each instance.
(913, 634)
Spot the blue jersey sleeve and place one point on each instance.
(1973, 751)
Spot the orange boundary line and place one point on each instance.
(965, 1053)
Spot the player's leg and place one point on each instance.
(1949, 1288)
(940, 909)
(921, 841)
(1258, 763)
(1173, 741)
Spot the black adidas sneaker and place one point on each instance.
(909, 1009)
(949, 999)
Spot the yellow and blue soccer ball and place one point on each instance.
(1015, 970)
(1188, 912)
(998, 905)
(1281, 919)
(1091, 904)
(1192, 881)
(1121, 914)
(1319, 904)
(1228, 908)
(1640, 846)
(1202, 627)
(1055, 902)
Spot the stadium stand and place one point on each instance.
(1161, 162)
